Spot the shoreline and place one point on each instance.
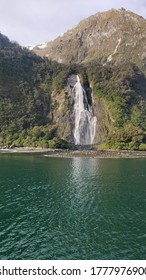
(76, 153)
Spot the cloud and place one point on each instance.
(35, 21)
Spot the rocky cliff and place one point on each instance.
(115, 36)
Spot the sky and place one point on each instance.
(30, 22)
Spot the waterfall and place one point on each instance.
(85, 121)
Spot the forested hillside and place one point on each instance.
(26, 83)
(36, 107)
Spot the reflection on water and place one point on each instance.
(78, 208)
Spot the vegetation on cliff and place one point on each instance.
(28, 84)
(123, 89)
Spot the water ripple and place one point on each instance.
(72, 208)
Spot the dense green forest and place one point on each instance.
(123, 89)
(28, 81)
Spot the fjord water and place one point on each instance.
(77, 208)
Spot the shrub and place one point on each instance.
(142, 147)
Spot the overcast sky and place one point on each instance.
(30, 22)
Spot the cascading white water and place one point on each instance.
(85, 121)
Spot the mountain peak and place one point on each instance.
(113, 36)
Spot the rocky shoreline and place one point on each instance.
(76, 153)
(99, 154)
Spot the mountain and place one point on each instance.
(91, 89)
(115, 36)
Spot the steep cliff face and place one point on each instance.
(115, 36)
(63, 113)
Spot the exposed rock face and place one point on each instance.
(63, 113)
(112, 37)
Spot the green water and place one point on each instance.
(54, 208)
